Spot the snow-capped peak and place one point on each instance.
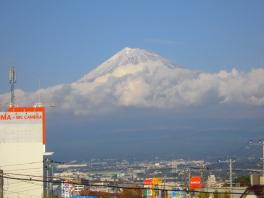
(128, 57)
(135, 56)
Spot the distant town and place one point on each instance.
(177, 177)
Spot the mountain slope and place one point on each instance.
(129, 57)
(143, 79)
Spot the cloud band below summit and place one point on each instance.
(148, 84)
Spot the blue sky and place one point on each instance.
(55, 42)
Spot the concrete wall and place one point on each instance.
(22, 161)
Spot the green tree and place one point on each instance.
(243, 180)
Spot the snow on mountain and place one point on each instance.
(139, 78)
(129, 60)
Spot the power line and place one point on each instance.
(31, 178)
(39, 176)
(5, 165)
(115, 186)
(64, 178)
(22, 169)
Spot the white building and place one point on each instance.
(211, 181)
(22, 146)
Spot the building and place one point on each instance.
(211, 181)
(22, 148)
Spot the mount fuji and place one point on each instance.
(129, 60)
(134, 77)
(137, 97)
(139, 78)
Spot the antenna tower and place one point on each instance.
(12, 82)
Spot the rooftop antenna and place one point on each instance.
(12, 82)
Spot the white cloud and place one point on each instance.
(140, 78)
(150, 87)
(132, 92)
(244, 88)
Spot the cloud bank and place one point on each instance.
(148, 84)
(171, 88)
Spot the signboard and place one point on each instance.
(152, 181)
(156, 181)
(67, 189)
(178, 193)
(83, 196)
(195, 182)
(148, 181)
(21, 127)
(27, 110)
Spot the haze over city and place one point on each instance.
(136, 80)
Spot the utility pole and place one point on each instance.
(47, 173)
(202, 173)
(174, 170)
(46, 161)
(189, 178)
(230, 176)
(185, 177)
(262, 159)
(1, 184)
(260, 142)
(230, 161)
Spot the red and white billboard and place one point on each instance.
(31, 110)
(148, 181)
(195, 182)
